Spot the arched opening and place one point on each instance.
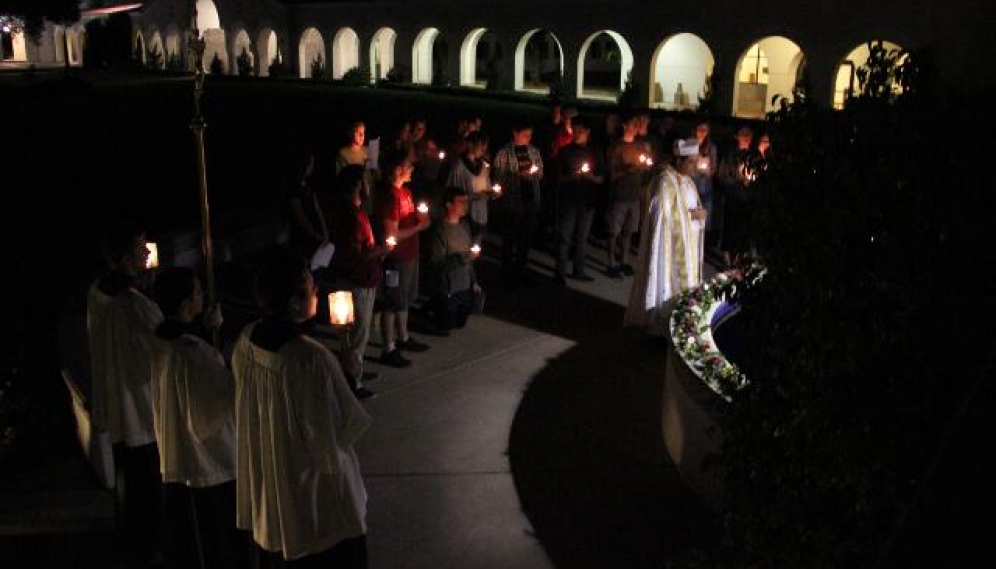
(768, 68)
(428, 57)
(173, 51)
(156, 56)
(604, 64)
(12, 47)
(479, 58)
(242, 48)
(680, 70)
(539, 61)
(846, 78)
(266, 48)
(138, 53)
(345, 52)
(75, 37)
(310, 52)
(209, 25)
(382, 53)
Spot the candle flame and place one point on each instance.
(442, 155)
(392, 241)
(496, 188)
(423, 207)
(585, 168)
(475, 248)
(534, 169)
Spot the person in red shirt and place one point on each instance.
(402, 223)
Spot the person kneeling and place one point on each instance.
(452, 282)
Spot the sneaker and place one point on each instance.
(614, 272)
(363, 394)
(395, 359)
(583, 278)
(627, 270)
(412, 345)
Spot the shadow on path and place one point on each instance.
(586, 448)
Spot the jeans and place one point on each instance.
(574, 220)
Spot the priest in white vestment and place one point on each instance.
(299, 487)
(671, 248)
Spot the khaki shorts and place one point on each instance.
(623, 217)
(397, 291)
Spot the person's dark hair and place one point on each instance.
(280, 279)
(392, 160)
(119, 238)
(627, 115)
(476, 137)
(173, 286)
(350, 177)
(451, 193)
(580, 122)
(521, 125)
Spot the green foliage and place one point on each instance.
(318, 68)
(886, 74)
(630, 97)
(866, 227)
(356, 77)
(154, 59)
(277, 67)
(173, 62)
(217, 65)
(244, 63)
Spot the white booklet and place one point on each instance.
(322, 257)
(373, 154)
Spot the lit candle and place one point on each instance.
(475, 249)
(703, 164)
(152, 262)
(341, 308)
(486, 165)
(442, 155)
(642, 158)
(392, 242)
(585, 168)
(650, 162)
(534, 169)
(496, 188)
(423, 207)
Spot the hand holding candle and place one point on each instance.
(585, 168)
(475, 251)
(442, 155)
(496, 189)
(423, 208)
(534, 169)
(392, 242)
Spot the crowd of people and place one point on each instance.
(221, 461)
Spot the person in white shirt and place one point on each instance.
(120, 324)
(671, 253)
(298, 482)
(193, 396)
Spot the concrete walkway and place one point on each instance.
(530, 439)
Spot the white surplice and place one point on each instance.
(299, 488)
(194, 402)
(671, 252)
(120, 330)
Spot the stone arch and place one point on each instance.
(13, 48)
(212, 32)
(423, 56)
(535, 64)
(679, 69)
(845, 76)
(309, 48)
(478, 59)
(267, 49)
(767, 68)
(382, 53)
(345, 52)
(75, 37)
(137, 51)
(240, 43)
(601, 65)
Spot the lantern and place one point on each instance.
(152, 262)
(341, 308)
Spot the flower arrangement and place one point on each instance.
(691, 328)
